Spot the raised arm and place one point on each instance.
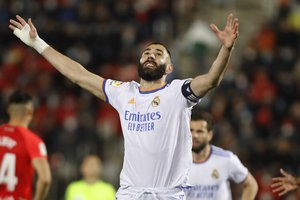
(250, 188)
(284, 184)
(201, 84)
(71, 69)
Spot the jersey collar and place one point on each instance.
(152, 91)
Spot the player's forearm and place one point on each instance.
(250, 188)
(75, 72)
(249, 194)
(219, 66)
(68, 67)
(203, 83)
(42, 188)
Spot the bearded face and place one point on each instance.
(198, 148)
(150, 70)
(200, 135)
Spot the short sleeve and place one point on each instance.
(36, 147)
(237, 171)
(111, 192)
(69, 192)
(112, 90)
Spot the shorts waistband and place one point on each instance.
(153, 190)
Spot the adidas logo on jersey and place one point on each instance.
(131, 101)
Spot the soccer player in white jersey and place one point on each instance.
(154, 114)
(213, 168)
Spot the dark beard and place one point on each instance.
(150, 74)
(199, 148)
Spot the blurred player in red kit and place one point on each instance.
(22, 153)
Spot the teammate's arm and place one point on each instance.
(201, 84)
(250, 188)
(285, 184)
(68, 67)
(42, 169)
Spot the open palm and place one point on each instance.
(17, 26)
(229, 35)
(285, 184)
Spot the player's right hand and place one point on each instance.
(23, 30)
(27, 33)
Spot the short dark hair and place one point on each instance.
(19, 97)
(158, 43)
(198, 114)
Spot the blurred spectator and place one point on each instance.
(91, 187)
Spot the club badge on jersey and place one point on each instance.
(155, 102)
(215, 174)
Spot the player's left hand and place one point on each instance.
(285, 184)
(229, 35)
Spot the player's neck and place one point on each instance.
(151, 85)
(202, 155)
(17, 122)
(91, 180)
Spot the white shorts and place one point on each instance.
(141, 193)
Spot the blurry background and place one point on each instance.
(256, 108)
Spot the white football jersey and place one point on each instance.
(209, 180)
(157, 138)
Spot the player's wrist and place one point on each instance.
(39, 45)
(229, 46)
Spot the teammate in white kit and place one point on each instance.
(213, 168)
(154, 115)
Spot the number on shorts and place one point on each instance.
(8, 171)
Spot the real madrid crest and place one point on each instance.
(215, 174)
(156, 101)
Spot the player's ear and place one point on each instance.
(29, 111)
(8, 109)
(169, 68)
(210, 135)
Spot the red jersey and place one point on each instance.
(18, 147)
